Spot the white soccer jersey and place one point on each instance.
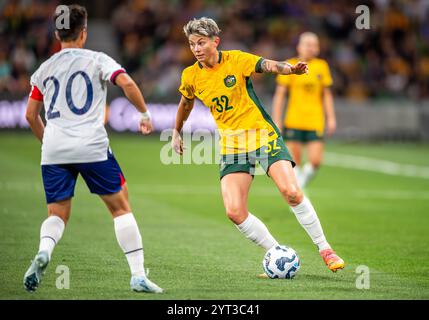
(73, 84)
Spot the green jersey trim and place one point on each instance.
(252, 94)
(258, 67)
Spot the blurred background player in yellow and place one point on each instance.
(310, 98)
(221, 80)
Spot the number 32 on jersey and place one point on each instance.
(220, 104)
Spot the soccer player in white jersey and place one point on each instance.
(72, 86)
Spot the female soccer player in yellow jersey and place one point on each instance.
(309, 98)
(221, 80)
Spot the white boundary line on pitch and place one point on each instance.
(273, 192)
(348, 161)
(207, 190)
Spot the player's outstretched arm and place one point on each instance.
(282, 67)
(133, 93)
(33, 117)
(183, 111)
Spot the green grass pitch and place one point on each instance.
(194, 252)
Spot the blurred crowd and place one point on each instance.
(388, 61)
(26, 40)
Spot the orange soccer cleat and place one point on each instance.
(331, 259)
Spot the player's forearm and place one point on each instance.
(37, 126)
(134, 95)
(183, 111)
(131, 91)
(328, 103)
(278, 67)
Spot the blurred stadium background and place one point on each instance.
(372, 193)
(381, 75)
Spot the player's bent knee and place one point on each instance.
(292, 194)
(295, 197)
(117, 203)
(289, 191)
(119, 208)
(283, 190)
(236, 214)
(119, 212)
(60, 209)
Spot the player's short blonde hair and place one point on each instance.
(203, 26)
(308, 35)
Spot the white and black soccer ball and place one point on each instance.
(281, 262)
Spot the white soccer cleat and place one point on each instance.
(35, 272)
(143, 284)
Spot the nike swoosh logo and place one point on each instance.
(199, 92)
(274, 154)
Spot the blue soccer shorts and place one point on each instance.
(103, 177)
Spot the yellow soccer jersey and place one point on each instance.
(305, 106)
(226, 89)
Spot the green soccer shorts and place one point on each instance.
(246, 162)
(303, 136)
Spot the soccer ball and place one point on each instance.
(281, 262)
